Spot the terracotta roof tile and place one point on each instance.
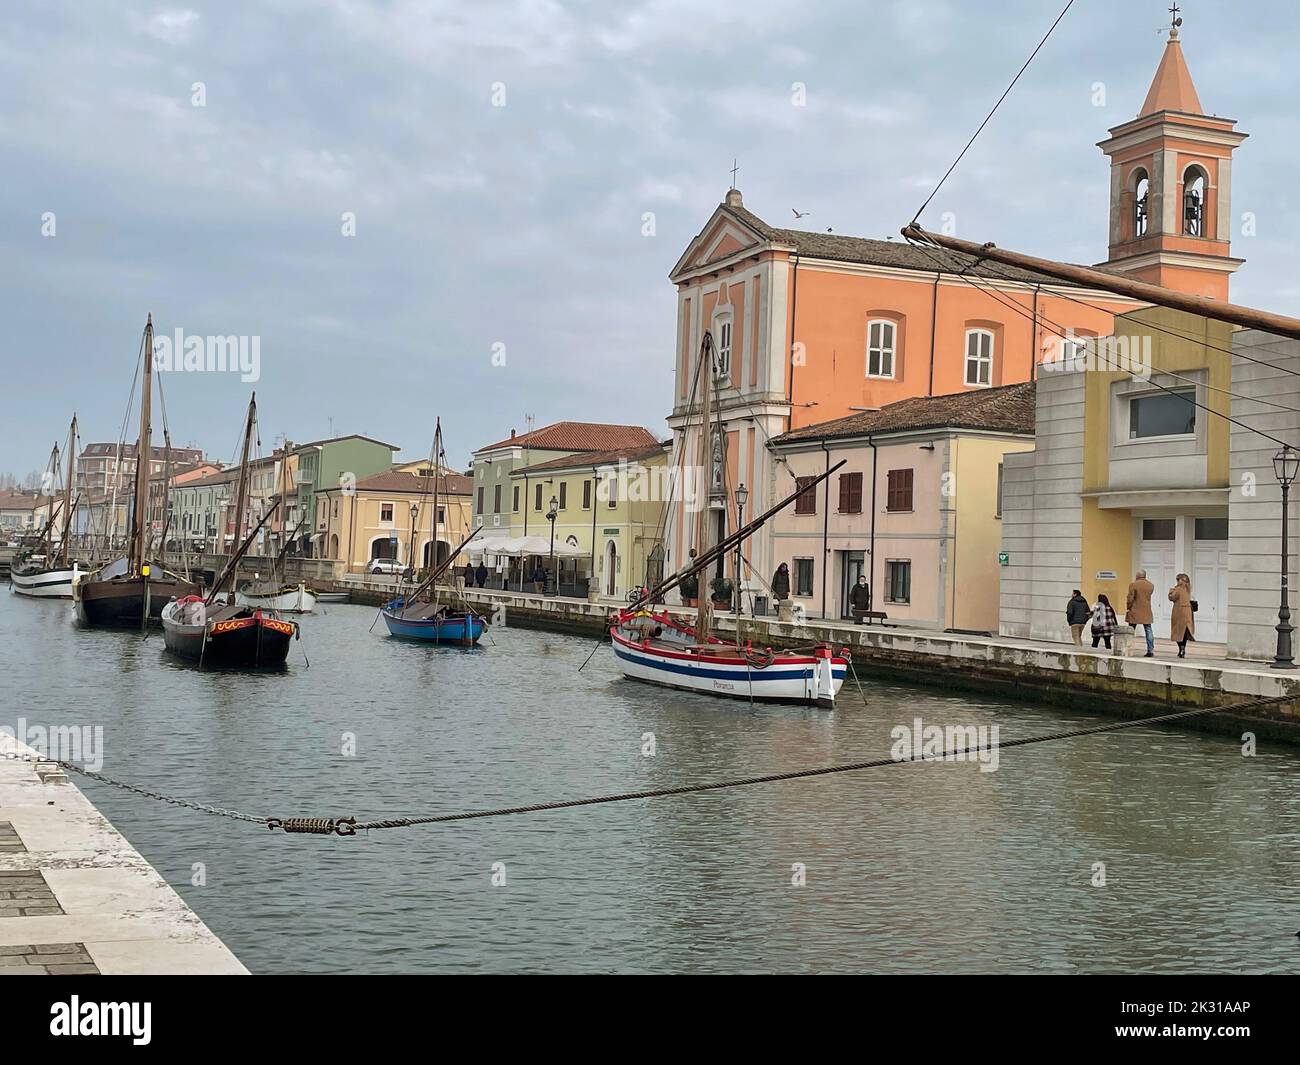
(587, 459)
(1008, 409)
(579, 436)
(403, 481)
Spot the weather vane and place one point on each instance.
(1174, 20)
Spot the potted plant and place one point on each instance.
(721, 588)
(690, 589)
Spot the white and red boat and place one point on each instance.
(658, 648)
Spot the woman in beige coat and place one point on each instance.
(1182, 621)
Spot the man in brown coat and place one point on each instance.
(1138, 609)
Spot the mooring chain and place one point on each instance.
(350, 826)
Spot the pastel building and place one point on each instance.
(609, 511)
(916, 508)
(323, 465)
(812, 327)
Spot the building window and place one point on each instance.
(898, 580)
(479, 507)
(1162, 414)
(1159, 528)
(899, 494)
(979, 358)
(806, 503)
(564, 494)
(880, 348)
(850, 493)
(1210, 529)
(385, 511)
(1194, 185)
(515, 500)
(442, 515)
(613, 492)
(1141, 202)
(803, 577)
(496, 499)
(537, 498)
(586, 495)
(724, 347)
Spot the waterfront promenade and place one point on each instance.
(1125, 685)
(75, 896)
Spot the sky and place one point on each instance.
(469, 210)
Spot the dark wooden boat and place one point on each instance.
(228, 634)
(133, 591)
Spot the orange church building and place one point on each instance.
(811, 327)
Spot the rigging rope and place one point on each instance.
(348, 826)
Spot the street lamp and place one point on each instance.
(550, 516)
(415, 513)
(742, 494)
(1286, 464)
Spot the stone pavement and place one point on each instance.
(75, 896)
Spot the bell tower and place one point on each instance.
(1171, 185)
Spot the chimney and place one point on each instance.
(512, 434)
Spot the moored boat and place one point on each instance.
(132, 590)
(35, 579)
(51, 573)
(285, 599)
(654, 646)
(228, 635)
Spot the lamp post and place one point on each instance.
(742, 494)
(410, 553)
(550, 516)
(1286, 464)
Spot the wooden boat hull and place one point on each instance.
(255, 642)
(288, 600)
(119, 602)
(460, 628)
(41, 583)
(790, 678)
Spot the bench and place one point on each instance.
(870, 616)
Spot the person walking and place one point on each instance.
(539, 577)
(481, 575)
(781, 583)
(1077, 613)
(860, 598)
(1137, 609)
(1182, 620)
(1103, 622)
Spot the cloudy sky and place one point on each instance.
(478, 225)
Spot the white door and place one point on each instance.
(1157, 558)
(1210, 590)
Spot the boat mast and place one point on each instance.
(47, 480)
(704, 536)
(241, 493)
(67, 493)
(143, 458)
(433, 518)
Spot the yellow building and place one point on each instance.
(1130, 471)
(608, 514)
(389, 516)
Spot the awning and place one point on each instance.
(521, 546)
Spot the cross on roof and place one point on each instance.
(1173, 15)
(734, 168)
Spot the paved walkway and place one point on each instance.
(75, 896)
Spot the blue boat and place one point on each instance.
(432, 624)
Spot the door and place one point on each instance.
(611, 564)
(1157, 558)
(1210, 589)
(854, 566)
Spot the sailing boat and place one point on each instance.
(661, 649)
(52, 574)
(132, 590)
(420, 616)
(273, 594)
(230, 633)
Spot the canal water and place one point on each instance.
(910, 868)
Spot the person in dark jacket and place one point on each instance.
(480, 575)
(1077, 615)
(539, 577)
(469, 575)
(781, 583)
(860, 598)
